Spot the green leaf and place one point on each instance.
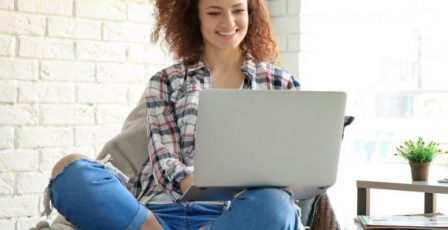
(419, 151)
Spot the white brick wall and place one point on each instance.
(46, 48)
(101, 51)
(16, 160)
(73, 115)
(7, 45)
(6, 137)
(6, 183)
(7, 224)
(31, 182)
(70, 72)
(50, 92)
(7, 4)
(18, 69)
(120, 32)
(48, 7)
(74, 28)
(107, 72)
(18, 206)
(285, 20)
(101, 9)
(8, 91)
(14, 22)
(18, 115)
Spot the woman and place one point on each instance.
(220, 44)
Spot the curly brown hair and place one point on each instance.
(178, 21)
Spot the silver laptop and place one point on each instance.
(266, 138)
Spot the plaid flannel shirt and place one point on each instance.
(172, 101)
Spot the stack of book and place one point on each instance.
(424, 221)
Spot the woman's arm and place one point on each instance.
(163, 136)
(185, 183)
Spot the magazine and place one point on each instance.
(427, 221)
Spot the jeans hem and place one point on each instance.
(139, 218)
(162, 222)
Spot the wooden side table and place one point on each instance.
(430, 189)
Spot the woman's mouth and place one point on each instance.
(226, 33)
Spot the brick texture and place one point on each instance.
(8, 91)
(29, 92)
(139, 12)
(67, 81)
(22, 24)
(31, 182)
(19, 206)
(101, 51)
(6, 183)
(6, 4)
(42, 136)
(45, 48)
(18, 161)
(7, 45)
(57, 7)
(18, 115)
(67, 71)
(7, 224)
(285, 22)
(6, 137)
(101, 9)
(74, 28)
(73, 115)
(102, 93)
(18, 69)
(126, 32)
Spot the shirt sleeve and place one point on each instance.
(293, 84)
(163, 136)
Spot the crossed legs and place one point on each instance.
(91, 197)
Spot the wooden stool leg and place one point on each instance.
(363, 201)
(430, 203)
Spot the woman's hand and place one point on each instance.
(185, 183)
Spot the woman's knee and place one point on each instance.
(271, 196)
(274, 207)
(57, 168)
(274, 200)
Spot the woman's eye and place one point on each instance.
(239, 11)
(213, 13)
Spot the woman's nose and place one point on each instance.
(228, 19)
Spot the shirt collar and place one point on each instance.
(196, 66)
(249, 69)
(248, 66)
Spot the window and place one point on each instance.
(391, 57)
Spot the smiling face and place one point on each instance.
(224, 24)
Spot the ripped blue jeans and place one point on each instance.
(90, 196)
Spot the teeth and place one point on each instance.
(226, 33)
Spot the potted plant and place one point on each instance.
(419, 155)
